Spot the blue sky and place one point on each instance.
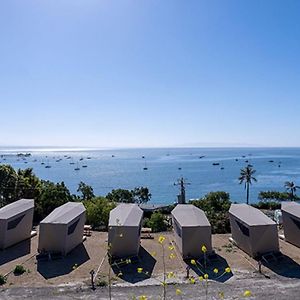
(149, 73)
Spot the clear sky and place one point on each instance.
(149, 73)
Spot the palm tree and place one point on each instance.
(291, 188)
(246, 176)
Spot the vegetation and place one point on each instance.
(138, 195)
(275, 196)
(157, 222)
(2, 279)
(51, 196)
(291, 189)
(97, 212)
(267, 205)
(87, 192)
(216, 206)
(246, 177)
(19, 270)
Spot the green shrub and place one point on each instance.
(97, 212)
(216, 206)
(267, 205)
(2, 279)
(157, 222)
(19, 270)
(102, 283)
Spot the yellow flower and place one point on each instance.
(128, 261)
(216, 271)
(221, 295)
(172, 256)
(247, 293)
(170, 275)
(178, 292)
(139, 270)
(227, 270)
(192, 280)
(161, 239)
(153, 253)
(163, 283)
(203, 249)
(143, 297)
(205, 276)
(200, 278)
(193, 262)
(171, 248)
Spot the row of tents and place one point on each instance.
(251, 229)
(62, 230)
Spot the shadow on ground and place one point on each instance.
(14, 252)
(64, 265)
(129, 270)
(208, 266)
(284, 266)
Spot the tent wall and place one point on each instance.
(124, 241)
(254, 240)
(55, 237)
(178, 232)
(2, 233)
(291, 227)
(52, 237)
(16, 229)
(190, 240)
(193, 240)
(264, 239)
(74, 238)
(241, 234)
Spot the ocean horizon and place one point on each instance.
(206, 169)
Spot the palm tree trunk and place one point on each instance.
(247, 188)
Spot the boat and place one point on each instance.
(81, 159)
(271, 161)
(84, 166)
(216, 164)
(179, 168)
(201, 156)
(222, 168)
(48, 167)
(77, 168)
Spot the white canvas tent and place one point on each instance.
(192, 230)
(124, 230)
(252, 230)
(62, 230)
(16, 222)
(291, 222)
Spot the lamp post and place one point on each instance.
(92, 273)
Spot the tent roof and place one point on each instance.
(292, 208)
(65, 213)
(16, 208)
(189, 215)
(125, 215)
(250, 215)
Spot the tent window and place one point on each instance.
(72, 227)
(297, 222)
(14, 223)
(177, 228)
(243, 228)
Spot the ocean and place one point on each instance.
(205, 169)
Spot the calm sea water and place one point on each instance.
(110, 169)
